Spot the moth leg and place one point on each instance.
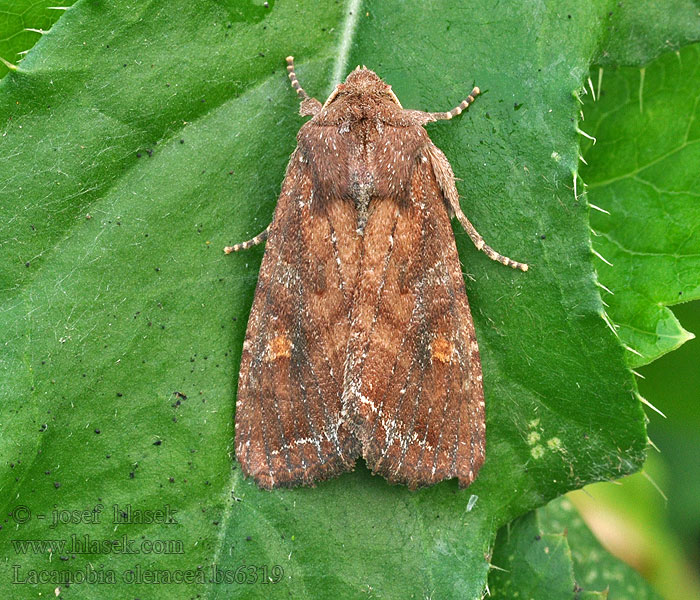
(482, 245)
(258, 239)
(309, 106)
(457, 110)
(446, 181)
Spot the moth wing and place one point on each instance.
(413, 385)
(288, 425)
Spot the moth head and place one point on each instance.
(363, 84)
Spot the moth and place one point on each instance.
(360, 342)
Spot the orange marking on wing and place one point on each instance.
(441, 350)
(279, 347)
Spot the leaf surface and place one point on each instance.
(550, 553)
(141, 139)
(644, 171)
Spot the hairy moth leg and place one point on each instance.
(457, 110)
(446, 181)
(309, 107)
(258, 239)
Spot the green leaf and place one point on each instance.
(143, 138)
(551, 553)
(632, 520)
(669, 383)
(638, 32)
(22, 24)
(531, 562)
(643, 171)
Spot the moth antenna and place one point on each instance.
(293, 78)
(457, 110)
(309, 106)
(258, 239)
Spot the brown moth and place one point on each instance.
(360, 342)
